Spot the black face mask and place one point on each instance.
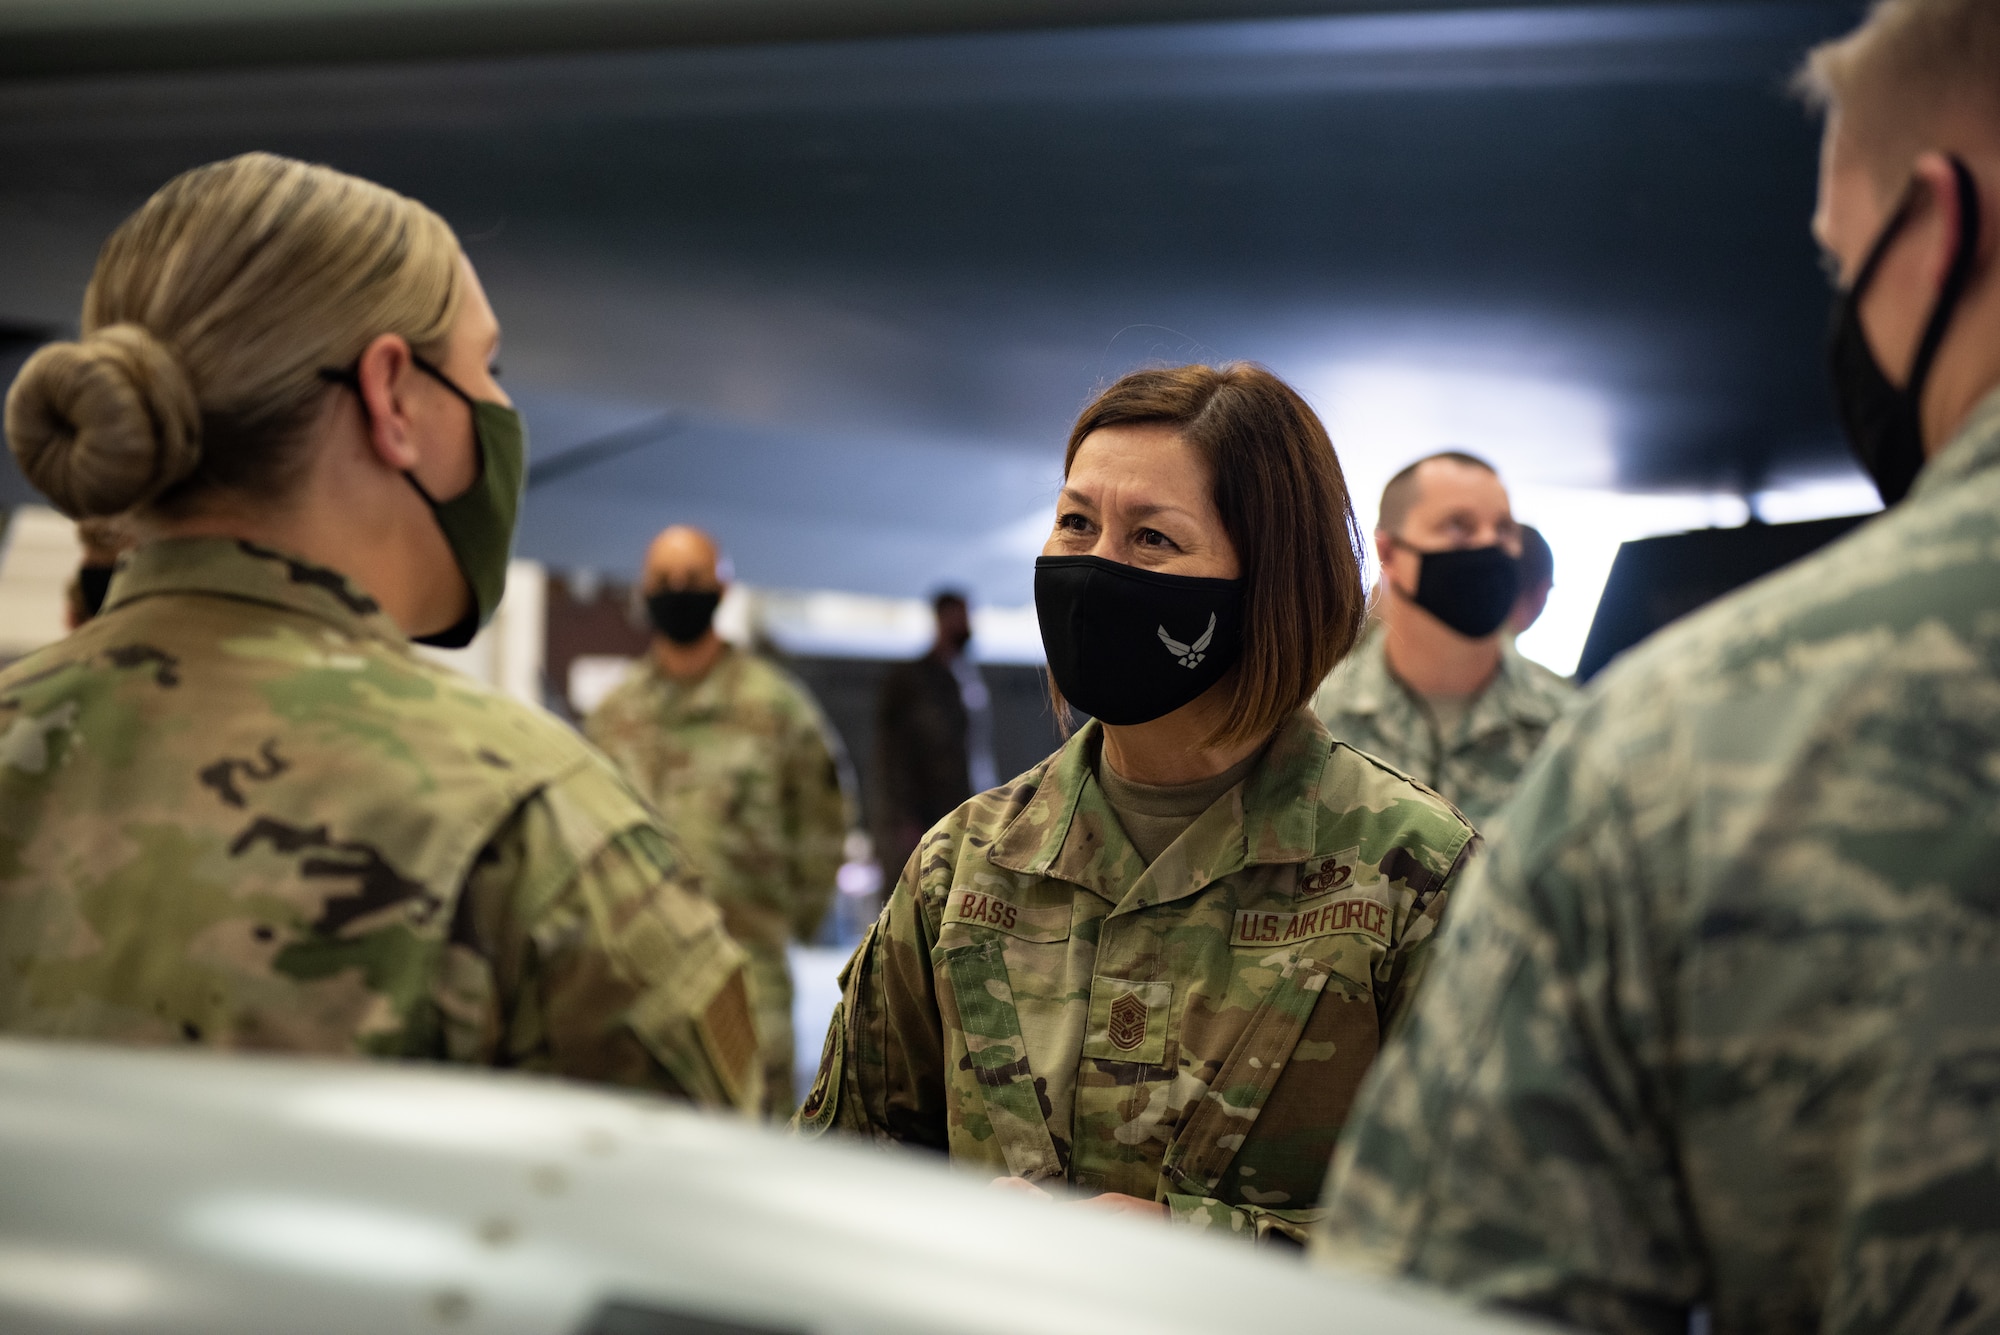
(1884, 424)
(92, 583)
(683, 615)
(1471, 590)
(1127, 645)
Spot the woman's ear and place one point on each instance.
(384, 373)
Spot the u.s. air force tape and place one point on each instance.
(1327, 917)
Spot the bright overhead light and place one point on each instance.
(1826, 498)
(1553, 442)
(1585, 527)
(1384, 415)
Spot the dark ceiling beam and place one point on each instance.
(94, 37)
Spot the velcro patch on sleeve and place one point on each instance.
(730, 1036)
(1331, 916)
(816, 1114)
(976, 908)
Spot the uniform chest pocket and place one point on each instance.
(1128, 1021)
(1198, 1160)
(977, 1001)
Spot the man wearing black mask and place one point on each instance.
(1436, 689)
(745, 769)
(1715, 1023)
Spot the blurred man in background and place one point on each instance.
(1538, 581)
(933, 737)
(744, 768)
(1716, 1022)
(1436, 688)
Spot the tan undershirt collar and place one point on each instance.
(1152, 815)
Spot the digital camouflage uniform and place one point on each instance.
(1717, 1020)
(1037, 1002)
(237, 810)
(743, 768)
(1363, 704)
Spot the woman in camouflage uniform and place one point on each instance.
(1157, 965)
(237, 809)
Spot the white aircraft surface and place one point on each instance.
(211, 1194)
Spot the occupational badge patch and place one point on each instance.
(1127, 1026)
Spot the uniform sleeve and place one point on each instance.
(606, 963)
(1511, 1143)
(818, 814)
(600, 727)
(1403, 969)
(609, 728)
(881, 1073)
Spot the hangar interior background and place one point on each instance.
(831, 277)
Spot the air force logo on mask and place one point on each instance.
(1099, 620)
(1189, 655)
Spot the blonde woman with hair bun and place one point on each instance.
(237, 809)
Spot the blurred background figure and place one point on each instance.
(742, 766)
(1537, 570)
(933, 736)
(104, 540)
(1436, 688)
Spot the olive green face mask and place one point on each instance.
(479, 524)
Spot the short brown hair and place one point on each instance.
(1400, 496)
(1909, 65)
(1284, 504)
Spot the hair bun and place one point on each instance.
(105, 424)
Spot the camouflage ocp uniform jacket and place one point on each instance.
(743, 767)
(1363, 704)
(1037, 1002)
(237, 810)
(1717, 1021)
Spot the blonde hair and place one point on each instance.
(1909, 65)
(105, 538)
(211, 314)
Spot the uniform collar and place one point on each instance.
(1268, 818)
(1973, 450)
(234, 568)
(1508, 699)
(1512, 698)
(1366, 668)
(708, 689)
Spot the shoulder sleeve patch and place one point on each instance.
(816, 1114)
